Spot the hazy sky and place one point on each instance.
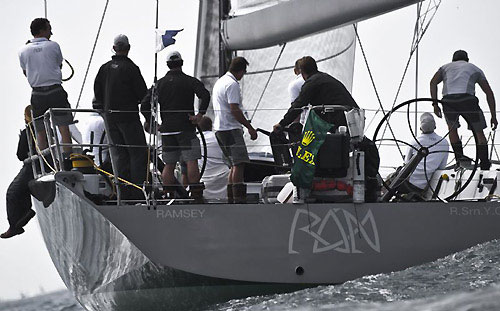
(25, 266)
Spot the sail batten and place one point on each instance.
(294, 19)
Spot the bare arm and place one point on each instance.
(238, 115)
(434, 91)
(490, 98)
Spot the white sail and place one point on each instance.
(334, 51)
(289, 20)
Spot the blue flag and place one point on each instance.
(165, 38)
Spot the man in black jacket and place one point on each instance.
(176, 91)
(119, 85)
(319, 89)
(19, 210)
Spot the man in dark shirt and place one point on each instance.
(319, 89)
(18, 197)
(119, 85)
(176, 91)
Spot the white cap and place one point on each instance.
(174, 56)
(120, 41)
(427, 123)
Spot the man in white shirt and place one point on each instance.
(295, 85)
(459, 80)
(94, 132)
(216, 171)
(436, 159)
(294, 88)
(41, 62)
(229, 120)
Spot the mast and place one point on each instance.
(295, 19)
(224, 53)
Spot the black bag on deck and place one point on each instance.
(332, 160)
(280, 149)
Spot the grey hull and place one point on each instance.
(185, 256)
(105, 271)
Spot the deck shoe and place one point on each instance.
(240, 193)
(230, 197)
(11, 232)
(196, 193)
(25, 219)
(482, 152)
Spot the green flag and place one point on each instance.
(305, 159)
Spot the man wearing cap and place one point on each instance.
(436, 159)
(176, 91)
(459, 80)
(41, 61)
(229, 119)
(119, 85)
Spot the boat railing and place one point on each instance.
(51, 159)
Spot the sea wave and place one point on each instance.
(468, 280)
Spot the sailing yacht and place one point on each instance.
(173, 255)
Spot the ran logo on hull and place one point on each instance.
(338, 231)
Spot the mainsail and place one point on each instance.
(264, 88)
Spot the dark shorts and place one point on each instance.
(233, 146)
(50, 97)
(185, 146)
(466, 106)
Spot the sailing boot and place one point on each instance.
(240, 193)
(196, 193)
(230, 197)
(482, 152)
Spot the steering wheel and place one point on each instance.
(423, 151)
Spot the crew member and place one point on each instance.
(435, 160)
(294, 87)
(19, 211)
(229, 119)
(319, 89)
(176, 91)
(94, 132)
(459, 80)
(119, 85)
(216, 171)
(41, 61)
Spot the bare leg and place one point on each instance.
(193, 173)
(65, 137)
(454, 135)
(41, 138)
(237, 173)
(168, 175)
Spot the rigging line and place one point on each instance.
(373, 83)
(408, 62)
(268, 80)
(435, 8)
(291, 67)
(92, 54)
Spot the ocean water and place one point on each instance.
(468, 280)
